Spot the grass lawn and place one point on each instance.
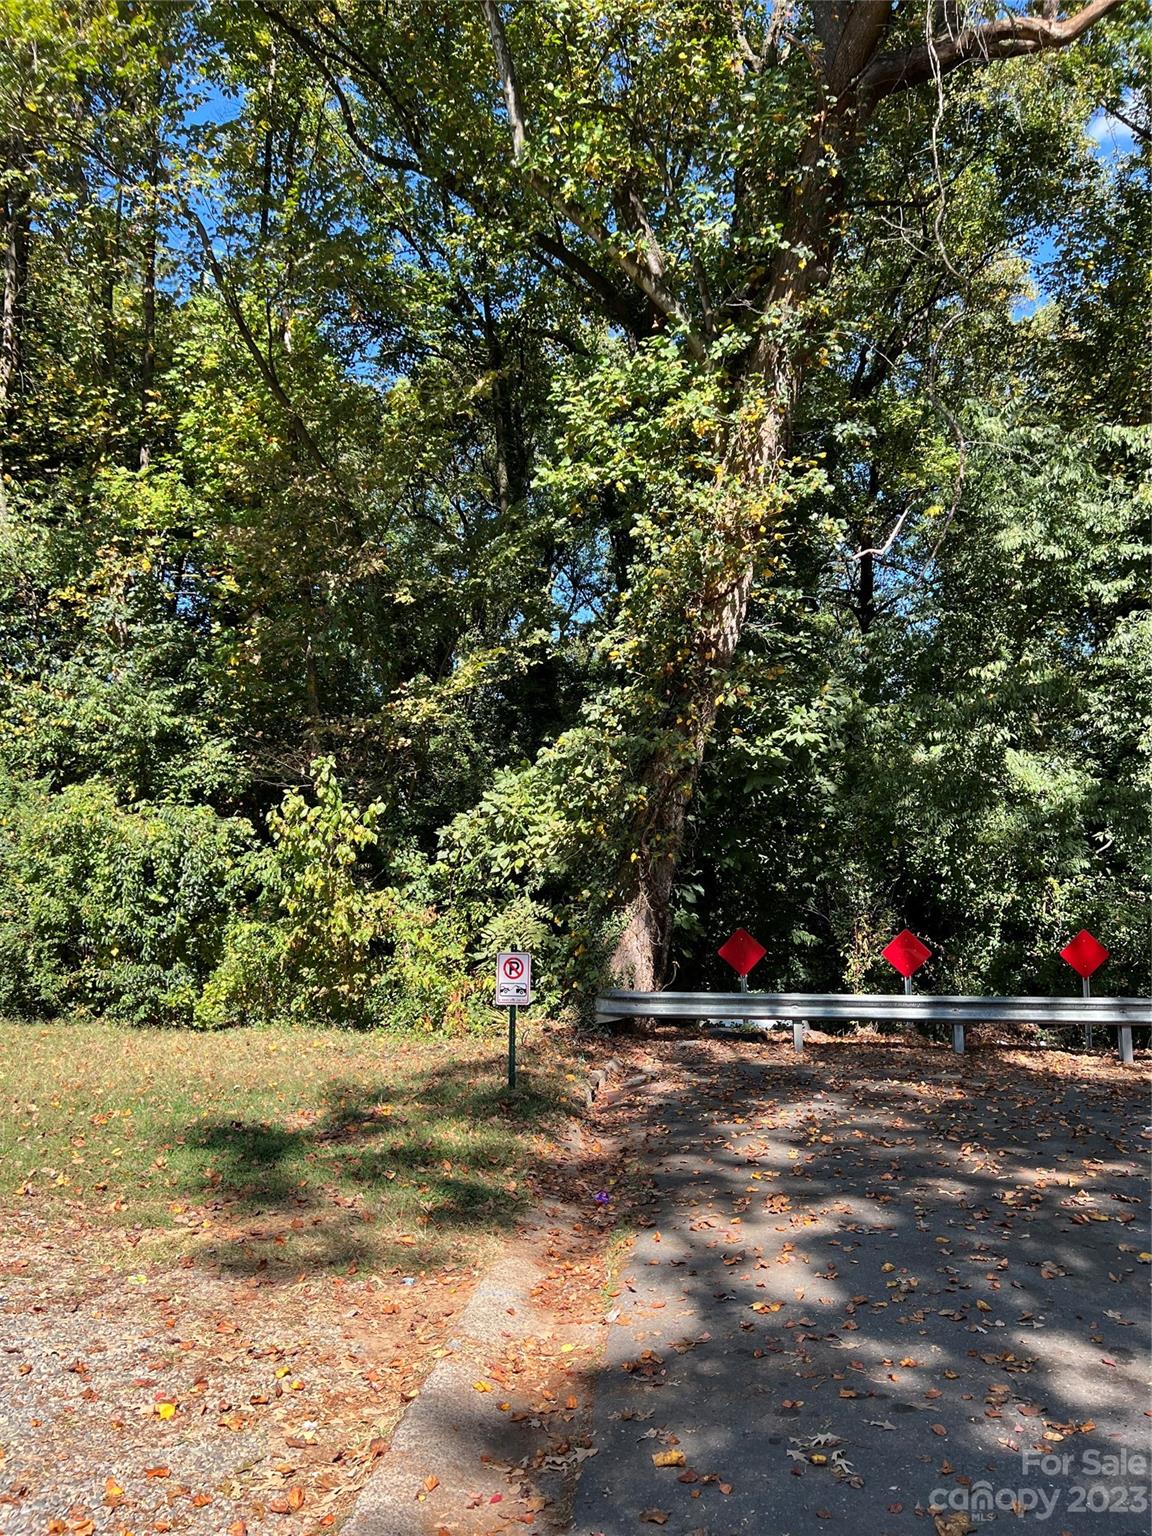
(227, 1261)
(313, 1148)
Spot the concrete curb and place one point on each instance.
(459, 1436)
(450, 1427)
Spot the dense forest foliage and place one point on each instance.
(576, 476)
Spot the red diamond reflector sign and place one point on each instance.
(742, 952)
(905, 953)
(1085, 954)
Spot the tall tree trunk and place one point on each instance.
(148, 318)
(151, 206)
(753, 463)
(15, 237)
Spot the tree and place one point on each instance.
(613, 434)
(694, 171)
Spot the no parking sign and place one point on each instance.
(513, 979)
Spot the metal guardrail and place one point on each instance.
(1119, 1013)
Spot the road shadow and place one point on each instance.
(932, 1260)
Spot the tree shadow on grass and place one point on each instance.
(383, 1173)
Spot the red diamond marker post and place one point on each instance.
(1085, 954)
(742, 952)
(906, 954)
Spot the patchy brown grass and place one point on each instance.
(228, 1261)
(306, 1150)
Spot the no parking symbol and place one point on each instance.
(513, 979)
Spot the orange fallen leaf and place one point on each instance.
(113, 1492)
(430, 1483)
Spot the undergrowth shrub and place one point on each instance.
(113, 909)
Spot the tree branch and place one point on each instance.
(263, 364)
(1010, 37)
(1137, 130)
(643, 274)
(507, 71)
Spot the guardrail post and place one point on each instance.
(1125, 1033)
(958, 1039)
(797, 1034)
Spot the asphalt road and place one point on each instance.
(864, 1298)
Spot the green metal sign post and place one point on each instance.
(513, 991)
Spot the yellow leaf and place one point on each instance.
(165, 1410)
(667, 1458)
(482, 1386)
